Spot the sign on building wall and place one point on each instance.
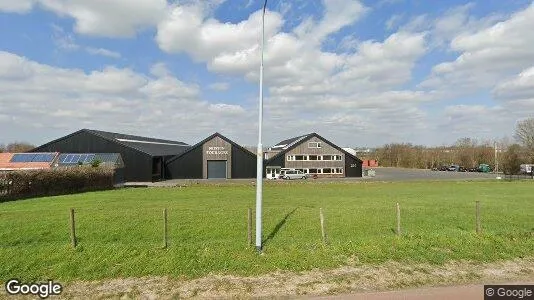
(217, 151)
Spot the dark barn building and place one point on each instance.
(144, 158)
(313, 155)
(213, 158)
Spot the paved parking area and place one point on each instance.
(400, 174)
(382, 174)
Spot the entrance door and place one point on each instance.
(273, 172)
(216, 169)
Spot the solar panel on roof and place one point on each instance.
(33, 157)
(22, 157)
(75, 158)
(44, 157)
(90, 158)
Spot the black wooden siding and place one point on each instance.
(187, 166)
(138, 165)
(243, 163)
(352, 172)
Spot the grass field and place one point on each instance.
(120, 232)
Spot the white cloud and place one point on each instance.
(103, 52)
(188, 29)
(301, 77)
(66, 42)
(109, 18)
(394, 21)
(487, 55)
(16, 6)
(219, 86)
(110, 99)
(517, 93)
(227, 108)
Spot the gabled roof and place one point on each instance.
(283, 145)
(150, 146)
(294, 142)
(199, 144)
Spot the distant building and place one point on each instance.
(313, 155)
(216, 157)
(144, 158)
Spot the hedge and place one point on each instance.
(36, 183)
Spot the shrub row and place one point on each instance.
(35, 183)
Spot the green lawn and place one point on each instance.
(120, 232)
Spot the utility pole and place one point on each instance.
(496, 169)
(259, 151)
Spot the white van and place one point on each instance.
(292, 174)
(526, 168)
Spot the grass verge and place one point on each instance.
(120, 232)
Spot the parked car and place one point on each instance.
(484, 168)
(462, 169)
(475, 169)
(292, 174)
(453, 168)
(440, 168)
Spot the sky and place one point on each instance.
(359, 73)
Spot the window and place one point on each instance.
(339, 170)
(312, 171)
(327, 171)
(314, 145)
(327, 157)
(290, 158)
(299, 157)
(337, 157)
(312, 157)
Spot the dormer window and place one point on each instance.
(314, 145)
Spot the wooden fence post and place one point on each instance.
(398, 231)
(72, 229)
(478, 226)
(323, 231)
(249, 227)
(164, 228)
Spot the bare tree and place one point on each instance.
(19, 147)
(524, 133)
(512, 160)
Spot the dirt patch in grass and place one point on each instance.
(347, 279)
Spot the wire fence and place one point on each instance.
(513, 177)
(171, 226)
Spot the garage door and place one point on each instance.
(216, 169)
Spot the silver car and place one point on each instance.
(293, 174)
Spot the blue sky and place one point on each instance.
(362, 73)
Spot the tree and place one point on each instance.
(2, 148)
(524, 133)
(19, 147)
(511, 162)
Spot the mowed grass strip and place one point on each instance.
(120, 233)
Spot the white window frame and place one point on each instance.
(317, 145)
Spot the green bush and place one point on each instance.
(36, 183)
